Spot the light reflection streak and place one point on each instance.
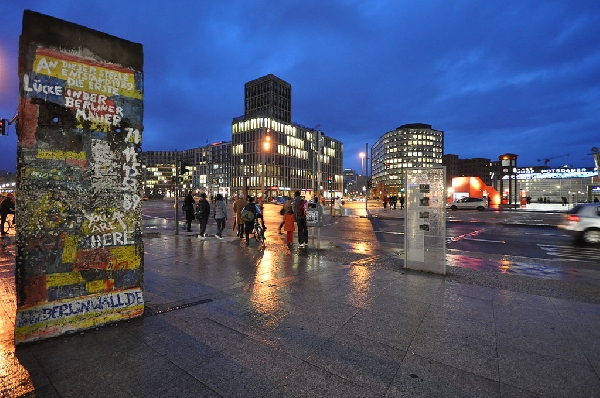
(360, 247)
(463, 261)
(360, 282)
(265, 297)
(504, 266)
(15, 380)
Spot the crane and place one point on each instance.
(546, 160)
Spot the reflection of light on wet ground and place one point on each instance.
(504, 266)
(466, 262)
(14, 378)
(473, 237)
(360, 280)
(519, 266)
(360, 247)
(265, 297)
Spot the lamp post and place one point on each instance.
(316, 167)
(176, 185)
(362, 163)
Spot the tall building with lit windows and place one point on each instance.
(271, 155)
(208, 171)
(268, 96)
(410, 145)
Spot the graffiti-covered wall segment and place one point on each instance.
(79, 241)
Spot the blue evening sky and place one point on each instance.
(518, 76)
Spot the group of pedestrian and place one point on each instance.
(294, 214)
(201, 211)
(393, 201)
(293, 211)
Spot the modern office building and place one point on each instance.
(472, 167)
(159, 171)
(207, 169)
(268, 96)
(351, 187)
(272, 156)
(410, 145)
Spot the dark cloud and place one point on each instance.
(518, 76)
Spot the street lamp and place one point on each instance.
(316, 164)
(364, 160)
(362, 163)
(267, 141)
(267, 149)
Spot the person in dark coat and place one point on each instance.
(202, 214)
(188, 208)
(298, 207)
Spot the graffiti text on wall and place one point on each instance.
(80, 251)
(79, 313)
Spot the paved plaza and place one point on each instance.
(225, 320)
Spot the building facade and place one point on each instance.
(472, 167)
(550, 185)
(351, 187)
(207, 169)
(268, 96)
(270, 156)
(408, 146)
(159, 171)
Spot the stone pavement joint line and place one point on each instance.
(149, 312)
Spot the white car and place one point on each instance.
(583, 222)
(468, 203)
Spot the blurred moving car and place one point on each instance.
(468, 203)
(583, 222)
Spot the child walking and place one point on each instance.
(289, 225)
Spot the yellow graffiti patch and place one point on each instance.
(38, 173)
(63, 279)
(89, 76)
(124, 257)
(60, 155)
(96, 286)
(70, 249)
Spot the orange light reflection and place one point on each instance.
(504, 266)
(265, 297)
(360, 279)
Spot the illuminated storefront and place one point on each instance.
(552, 185)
